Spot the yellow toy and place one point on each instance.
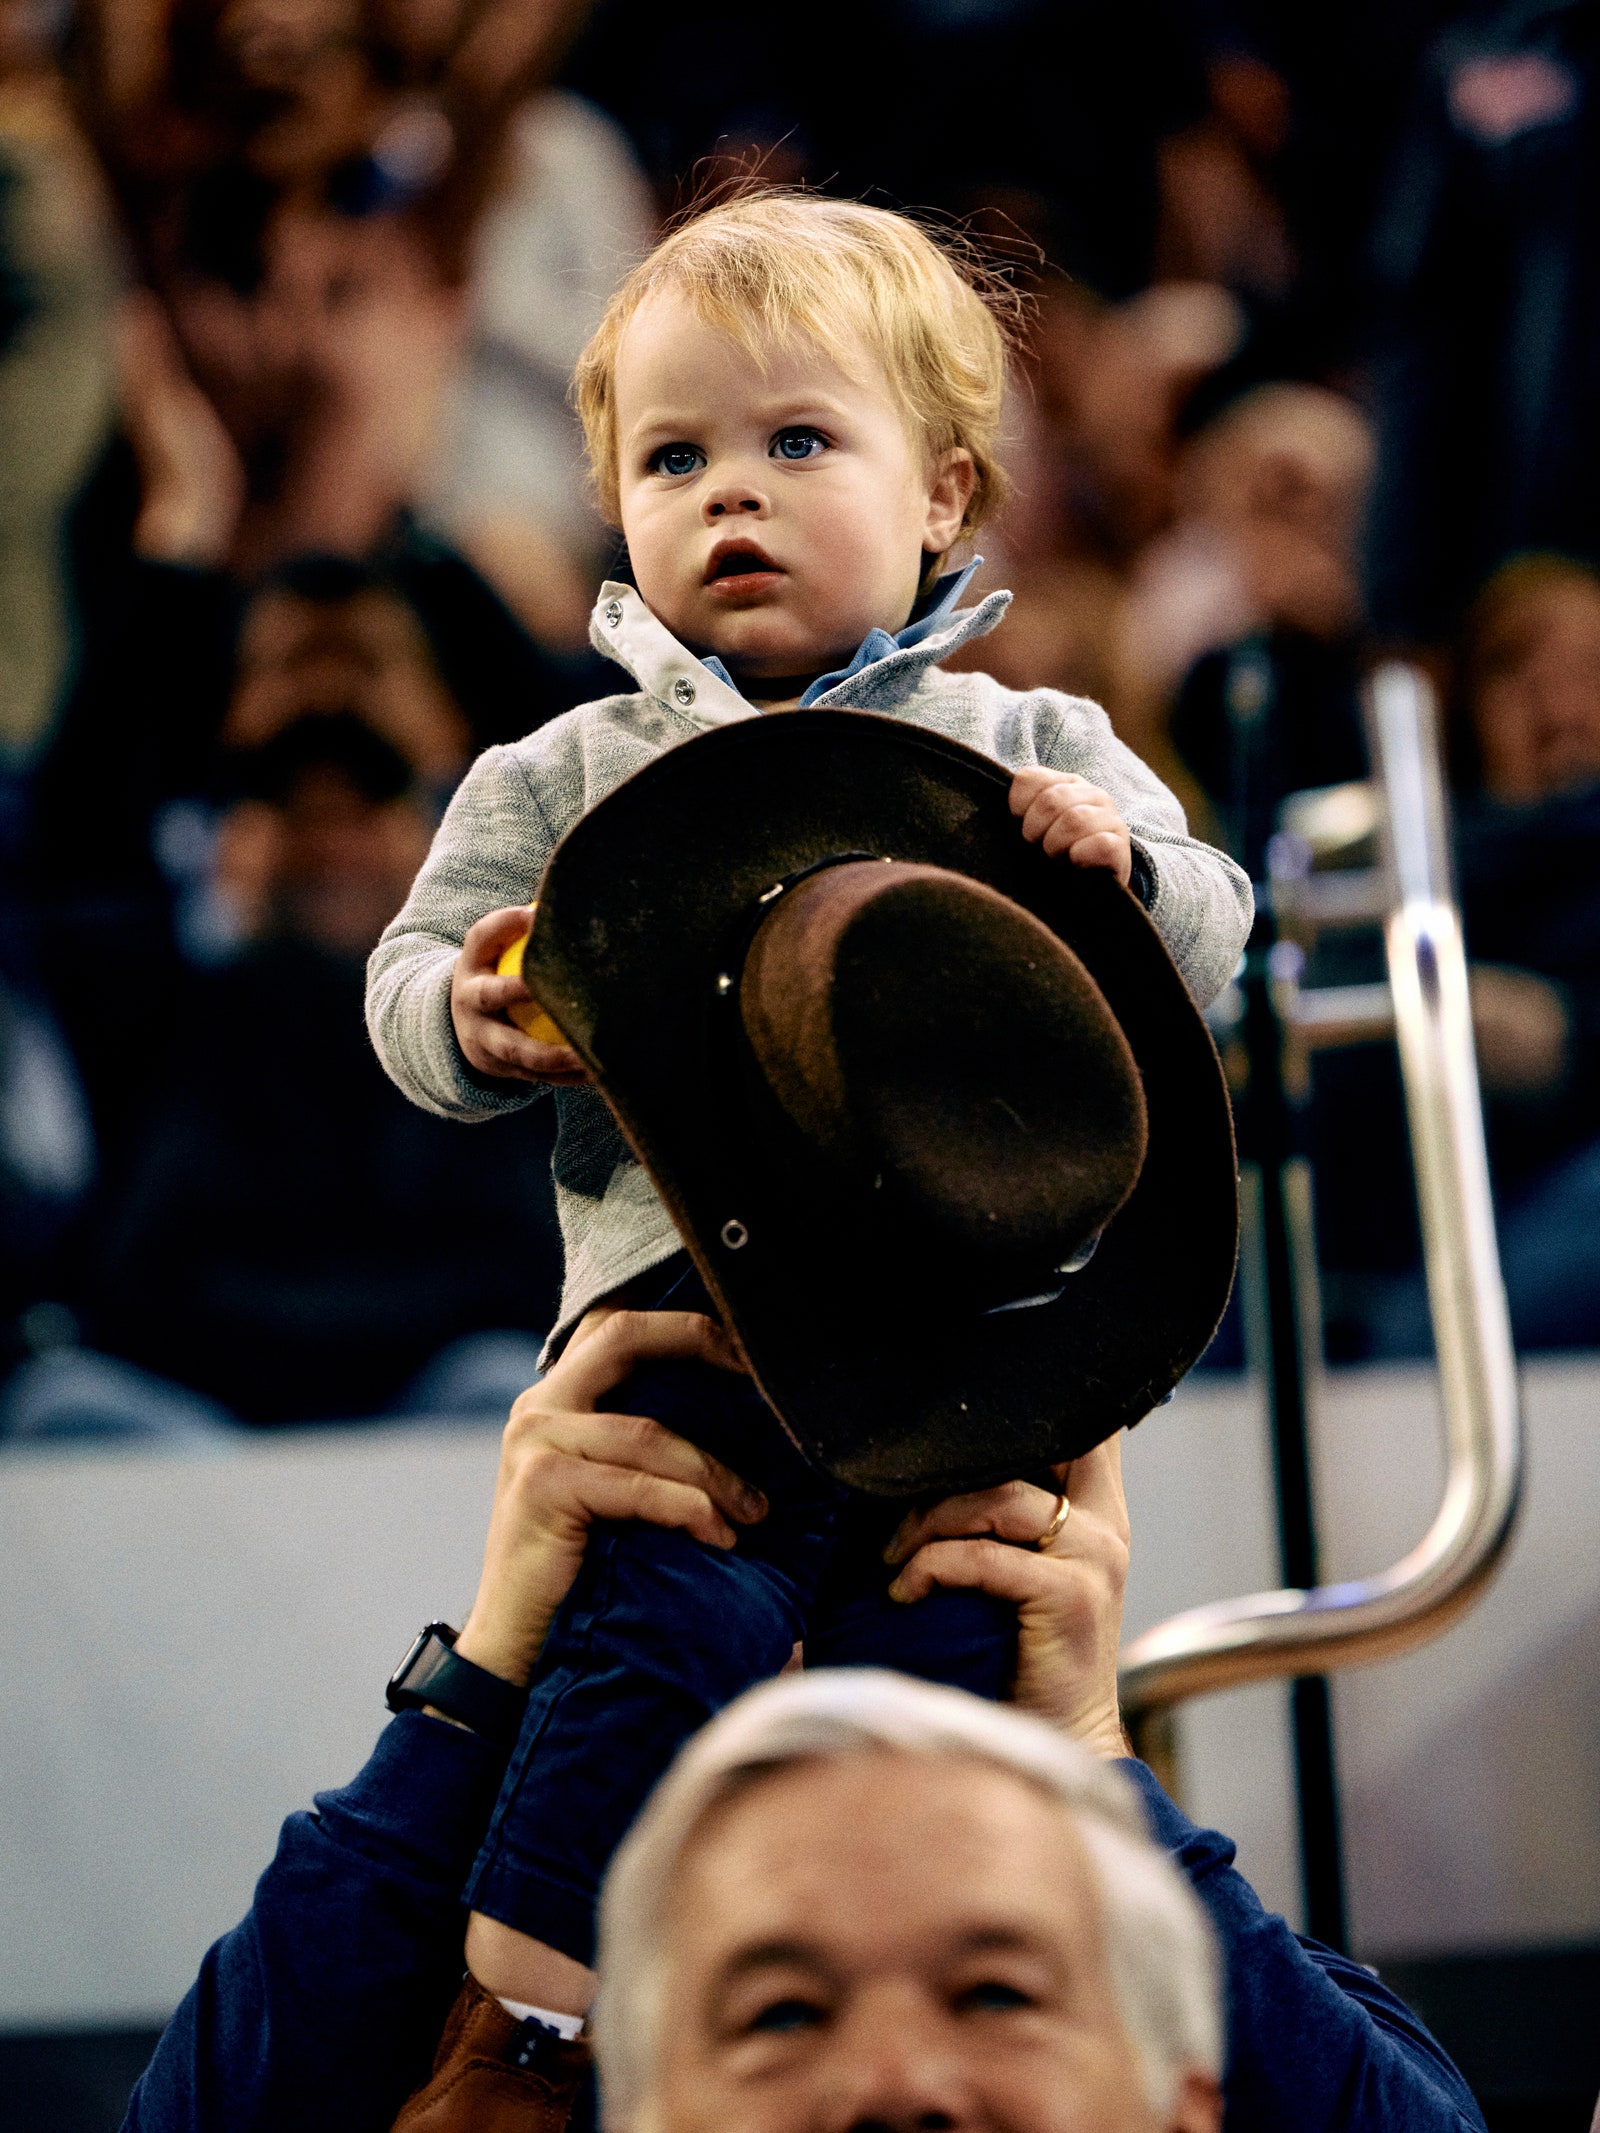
(528, 1015)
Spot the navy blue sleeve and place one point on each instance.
(1315, 2042)
(324, 2006)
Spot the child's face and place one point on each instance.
(773, 516)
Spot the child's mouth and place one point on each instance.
(742, 564)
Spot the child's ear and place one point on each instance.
(949, 492)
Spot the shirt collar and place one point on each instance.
(624, 629)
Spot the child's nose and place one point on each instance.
(732, 499)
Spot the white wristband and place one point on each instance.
(566, 2026)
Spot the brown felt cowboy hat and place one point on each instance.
(946, 1136)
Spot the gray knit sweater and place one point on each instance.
(517, 802)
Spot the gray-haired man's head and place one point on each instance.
(859, 1902)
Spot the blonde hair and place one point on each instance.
(769, 264)
(1163, 1962)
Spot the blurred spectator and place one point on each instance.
(56, 289)
(207, 110)
(1270, 498)
(1491, 358)
(1242, 627)
(1244, 615)
(1530, 855)
(295, 1241)
(1242, 140)
(295, 401)
(1221, 218)
(510, 486)
(1093, 448)
(1273, 191)
(326, 636)
(1122, 398)
(1142, 564)
(122, 846)
(296, 412)
(1528, 841)
(301, 184)
(1531, 670)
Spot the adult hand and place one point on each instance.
(479, 998)
(192, 479)
(565, 1463)
(1065, 813)
(1068, 1597)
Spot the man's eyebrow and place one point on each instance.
(770, 1955)
(987, 1939)
(997, 1939)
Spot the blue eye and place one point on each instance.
(786, 2015)
(676, 460)
(797, 444)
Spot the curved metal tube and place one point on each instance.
(1309, 1632)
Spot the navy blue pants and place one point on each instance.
(660, 1631)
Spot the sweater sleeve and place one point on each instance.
(323, 2006)
(1315, 2041)
(1199, 900)
(488, 852)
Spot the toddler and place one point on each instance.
(792, 409)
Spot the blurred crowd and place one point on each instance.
(293, 521)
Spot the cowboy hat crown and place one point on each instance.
(946, 1136)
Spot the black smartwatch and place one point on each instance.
(432, 1674)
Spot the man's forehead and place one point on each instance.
(970, 1849)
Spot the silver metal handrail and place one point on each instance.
(1290, 1632)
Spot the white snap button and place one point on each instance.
(683, 690)
(613, 612)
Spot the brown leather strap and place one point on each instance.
(476, 2086)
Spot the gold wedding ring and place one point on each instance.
(1062, 1512)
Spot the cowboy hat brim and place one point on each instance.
(879, 1371)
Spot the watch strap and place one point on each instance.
(433, 1674)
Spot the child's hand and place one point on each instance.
(479, 998)
(1070, 815)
